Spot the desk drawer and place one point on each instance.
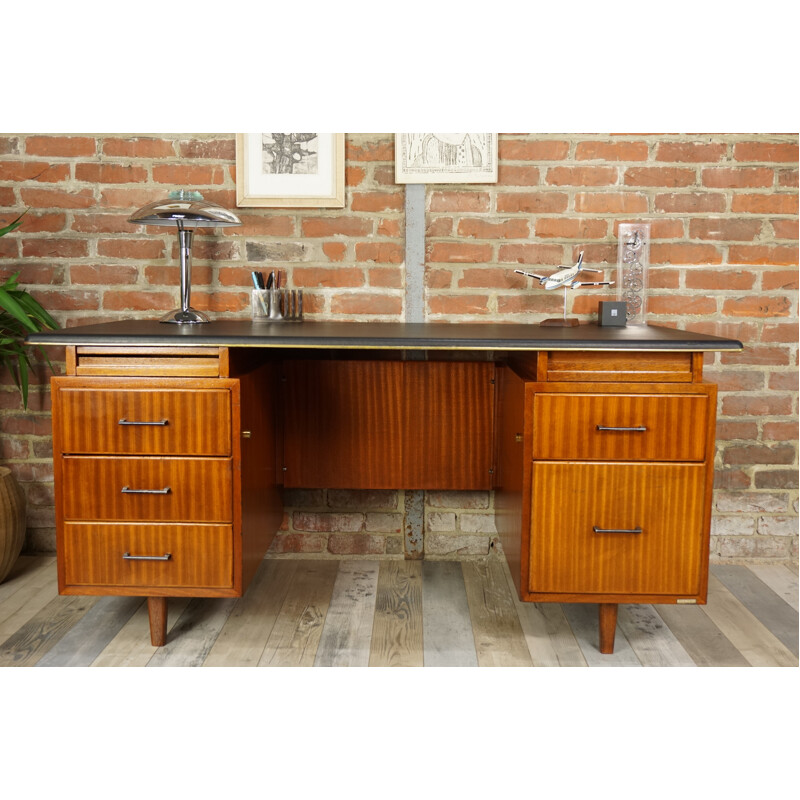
(152, 489)
(109, 555)
(145, 421)
(617, 528)
(620, 427)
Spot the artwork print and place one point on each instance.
(294, 153)
(290, 170)
(446, 157)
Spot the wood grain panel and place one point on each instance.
(200, 555)
(261, 504)
(565, 427)
(448, 415)
(509, 497)
(179, 422)
(199, 489)
(618, 367)
(665, 500)
(157, 361)
(342, 424)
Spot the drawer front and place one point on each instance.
(145, 421)
(147, 556)
(147, 489)
(620, 427)
(617, 528)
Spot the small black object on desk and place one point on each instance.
(612, 314)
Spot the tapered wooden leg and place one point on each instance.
(608, 626)
(157, 612)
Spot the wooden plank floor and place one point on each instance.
(358, 612)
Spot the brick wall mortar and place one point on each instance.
(723, 261)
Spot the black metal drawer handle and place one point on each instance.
(129, 557)
(161, 422)
(128, 490)
(636, 429)
(615, 530)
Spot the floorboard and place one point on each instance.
(397, 628)
(446, 626)
(131, 646)
(88, 637)
(34, 591)
(296, 633)
(550, 640)
(22, 572)
(760, 647)
(499, 640)
(194, 634)
(43, 631)
(777, 616)
(700, 637)
(583, 619)
(347, 633)
(650, 639)
(244, 636)
(358, 612)
(782, 580)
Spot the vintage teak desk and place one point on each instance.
(171, 445)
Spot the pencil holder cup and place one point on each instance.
(259, 305)
(276, 304)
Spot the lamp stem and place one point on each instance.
(185, 248)
(186, 314)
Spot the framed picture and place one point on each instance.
(290, 170)
(446, 157)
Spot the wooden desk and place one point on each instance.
(171, 444)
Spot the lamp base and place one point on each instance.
(185, 316)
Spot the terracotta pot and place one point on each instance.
(12, 521)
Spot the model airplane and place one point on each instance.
(565, 277)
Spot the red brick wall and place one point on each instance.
(724, 215)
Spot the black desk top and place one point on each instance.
(381, 336)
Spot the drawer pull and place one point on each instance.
(636, 429)
(129, 557)
(128, 490)
(615, 530)
(124, 421)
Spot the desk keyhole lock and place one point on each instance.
(518, 438)
(245, 434)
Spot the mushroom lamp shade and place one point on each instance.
(185, 211)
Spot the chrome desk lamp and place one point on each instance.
(185, 210)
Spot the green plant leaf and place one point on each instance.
(34, 310)
(20, 313)
(23, 379)
(13, 225)
(17, 311)
(11, 283)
